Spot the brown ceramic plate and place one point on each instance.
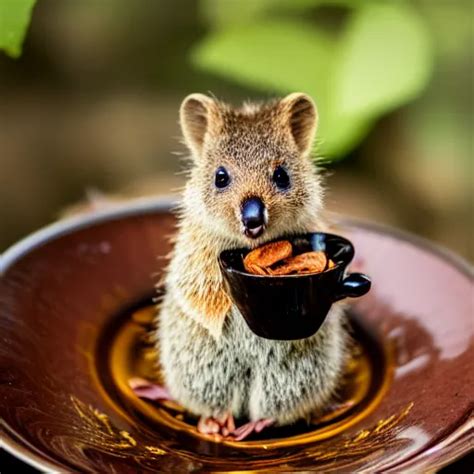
(68, 343)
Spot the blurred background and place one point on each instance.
(90, 91)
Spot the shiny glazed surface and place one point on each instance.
(60, 291)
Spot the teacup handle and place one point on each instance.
(353, 286)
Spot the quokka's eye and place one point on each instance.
(222, 178)
(281, 178)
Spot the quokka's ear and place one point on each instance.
(302, 117)
(197, 115)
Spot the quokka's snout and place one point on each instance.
(254, 217)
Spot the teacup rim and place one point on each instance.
(337, 265)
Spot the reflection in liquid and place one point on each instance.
(133, 354)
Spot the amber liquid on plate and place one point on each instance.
(127, 350)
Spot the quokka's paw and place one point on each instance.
(244, 431)
(149, 390)
(217, 427)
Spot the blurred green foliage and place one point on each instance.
(377, 58)
(14, 20)
(111, 74)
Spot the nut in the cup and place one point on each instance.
(259, 261)
(309, 262)
(276, 258)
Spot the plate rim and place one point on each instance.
(144, 206)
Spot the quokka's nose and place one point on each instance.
(254, 217)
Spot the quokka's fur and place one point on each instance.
(212, 362)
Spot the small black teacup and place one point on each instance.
(287, 307)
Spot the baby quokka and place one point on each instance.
(252, 180)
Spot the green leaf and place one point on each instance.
(385, 60)
(282, 56)
(14, 20)
(381, 60)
